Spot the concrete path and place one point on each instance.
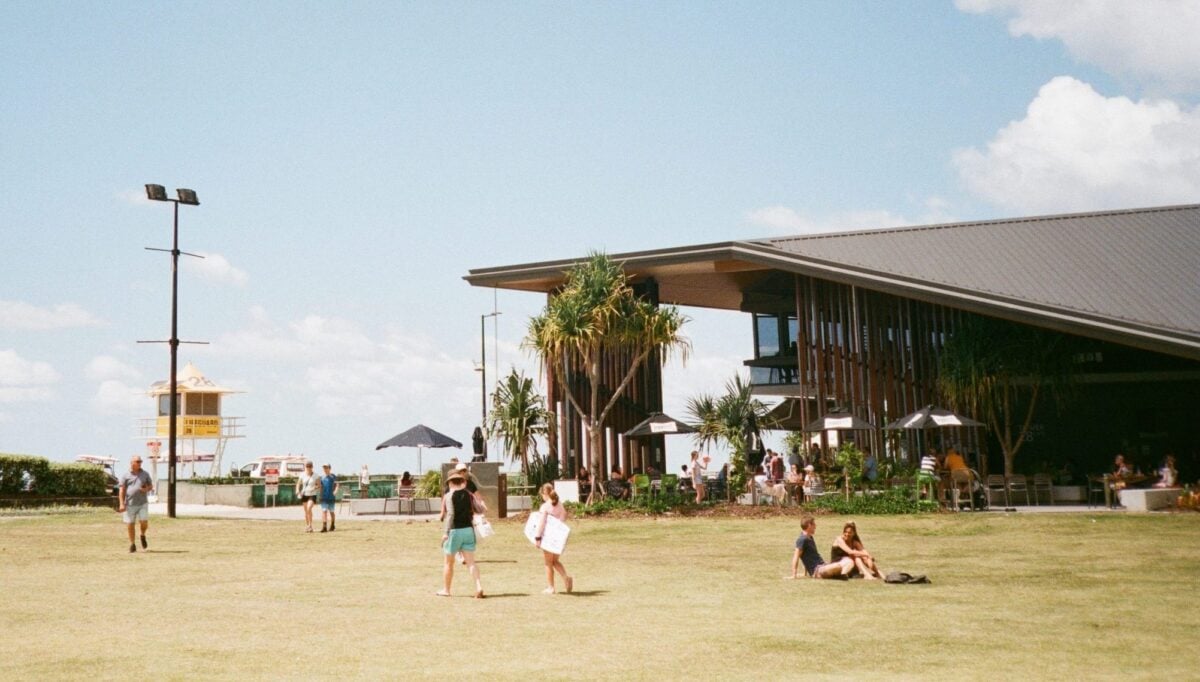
(289, 513)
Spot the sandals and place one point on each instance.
(441, 593)
(479, 594)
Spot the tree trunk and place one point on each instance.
(595, 439)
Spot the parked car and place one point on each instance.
(289, 466)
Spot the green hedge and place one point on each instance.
(15, 470)
(74, 480)
(900, 500)
(49, 478)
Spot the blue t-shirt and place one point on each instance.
(809, 556)
(328, 483)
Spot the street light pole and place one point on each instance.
(483, 372)
(184, 196)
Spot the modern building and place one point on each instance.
(858, 319)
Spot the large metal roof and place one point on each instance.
(1130, 276)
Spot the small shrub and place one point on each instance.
(430, 485)
(894, 501)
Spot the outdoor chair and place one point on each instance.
(1096, 488)
(962, 482)
(1043, 482)
(997, 484)
(346, 492)
(669, 486)
(1017, 483)
(641, 485)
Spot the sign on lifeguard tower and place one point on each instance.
(198, 419)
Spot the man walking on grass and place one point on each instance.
(133, 505)
(329, 491)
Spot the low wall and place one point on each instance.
(31, 501)
(1148, 499)
(195, 493)
(1069, 493)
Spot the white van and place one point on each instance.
(289, 466)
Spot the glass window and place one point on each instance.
(164, 405)
(767, 333)
(793, 333)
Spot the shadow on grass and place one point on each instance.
(165, 551)
(495, 561)
(503, 595)
(583, 593)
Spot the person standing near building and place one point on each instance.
(364, 483)
(308, 485)
(329, 490)
(696, 468)
(132, 502)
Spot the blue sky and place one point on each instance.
(354, 161)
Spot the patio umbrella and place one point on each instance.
(659, 424)
(930, 417)
(420, 437)
(840, 421)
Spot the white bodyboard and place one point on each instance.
(554, 538)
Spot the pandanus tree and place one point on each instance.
(519, 417)
(998, 371)
(732, 420)
(593, 316)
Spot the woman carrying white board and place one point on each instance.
(551, 507)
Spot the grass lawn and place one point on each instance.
(1020, 596)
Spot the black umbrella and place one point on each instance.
(930, 417)
(840, 421)
(419, 437)
(659, 424)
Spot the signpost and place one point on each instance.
(271, 479)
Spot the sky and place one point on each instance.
(355, 160)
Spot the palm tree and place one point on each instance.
(518, 417)
(734, 420)
(596, 315)
(991, 369)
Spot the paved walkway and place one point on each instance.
(294, 513)
(289, 513)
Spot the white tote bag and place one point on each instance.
(483, 529)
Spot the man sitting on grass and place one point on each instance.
(806, 553)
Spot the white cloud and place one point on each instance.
(786, 220)
(105, 367)
(24, 380)
(346, 371)
(215, 268)
(21, 315)
(115, 397)
(1152, 41)
(1078, 150)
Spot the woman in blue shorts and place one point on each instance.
(459, 535)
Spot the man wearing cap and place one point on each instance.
(132, 500)
(329, 491)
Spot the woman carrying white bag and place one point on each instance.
(551, 507)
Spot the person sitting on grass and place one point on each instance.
(806, 553)
(848, 544)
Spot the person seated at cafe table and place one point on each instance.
(1167, 473)
(954, 460)
(1120, 473)
(618, 487)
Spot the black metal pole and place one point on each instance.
(483, 378)
(174, 353)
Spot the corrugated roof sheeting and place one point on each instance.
(1141, 266)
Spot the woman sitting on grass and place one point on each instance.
(848, 544)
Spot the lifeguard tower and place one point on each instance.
(201, 431)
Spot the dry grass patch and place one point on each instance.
(1017, 596)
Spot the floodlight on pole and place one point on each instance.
(185, 196)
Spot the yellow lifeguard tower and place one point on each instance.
(201, 431)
